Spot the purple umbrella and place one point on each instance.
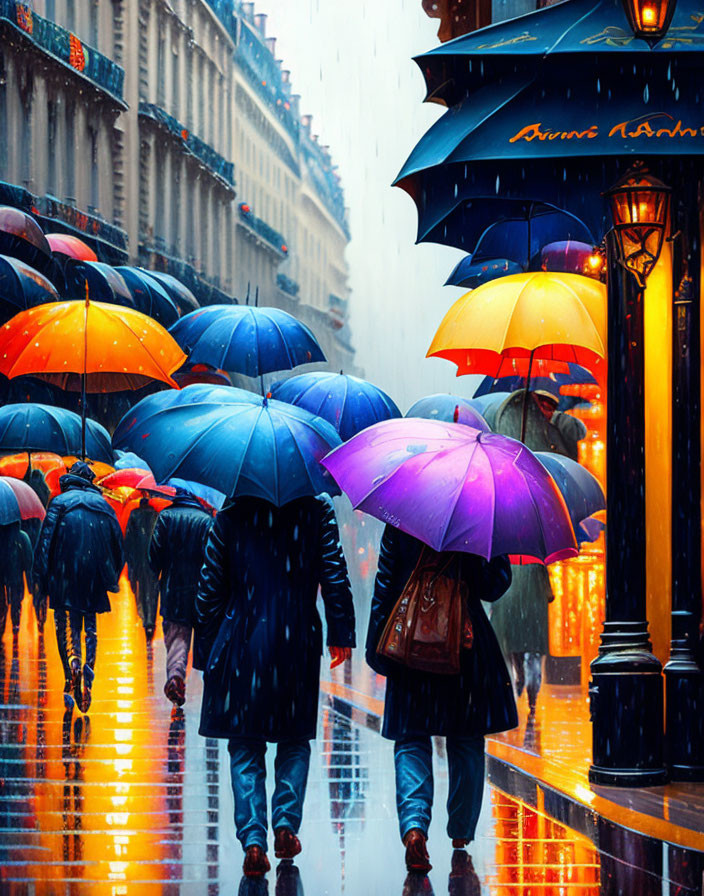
(455, 488)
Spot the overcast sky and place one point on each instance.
(352, 64)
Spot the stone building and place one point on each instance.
(167, 135)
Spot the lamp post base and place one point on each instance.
(684, 726)
(626, 704)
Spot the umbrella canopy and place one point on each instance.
(558, 318)
(180, 295)
(449, 409)
(18, 502)
(267, 449)
(192, 374)
(115, 348)
(571, 257)
(553, 383)
(21, 237)
(582, 492)
(71, 246)
(349, 403)
(242, 339)
(455, 488)
(39, 427)
(489, 405)
(21, 286)
(103, 283)
(470, 274)
(149, 296)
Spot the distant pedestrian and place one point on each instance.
(259, 638)
(418, 705)
(520, 618)
(143, 580)
(78, 560)
(176, 557)
(37, 482)
(15, 563)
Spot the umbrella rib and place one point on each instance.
(291, 360)
(460, 489)
(125, 323)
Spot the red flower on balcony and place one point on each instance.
(24, 18)
(77, 58)
(244, 208)
(284, 249)
(184, 134)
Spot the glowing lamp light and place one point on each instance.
(650, 19)
(640, 205)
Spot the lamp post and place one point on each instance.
(684, 680)
(649, 19)
(626, 690)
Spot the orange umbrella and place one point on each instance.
(51, 465)
(72, 246)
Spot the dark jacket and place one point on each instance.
(15, 559)
(176, 555)
(138, 534)
(257, 618)
(561, 434)
(477, 701)
(79, 555)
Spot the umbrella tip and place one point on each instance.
(266, 399)
(456, 415)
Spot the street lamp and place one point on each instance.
(640, 205)
(649, 19)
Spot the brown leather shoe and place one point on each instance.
(417, 858)
(286, 843)
(256, 863)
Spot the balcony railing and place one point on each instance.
(66, 48)
(287, 285)
(261, 229)
(325, 181)
(90, 224)
(212, 160)
(204, 290)
(225, 11)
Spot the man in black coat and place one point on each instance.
(15, 563)
(462, 708)
(78, 560)
(260, 634)
(176, 556)
(143, 580)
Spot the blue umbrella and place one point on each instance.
(489, 405)
(41, 427)
(268, 449)
(349, 403)
(470, 274)
(577, 375)
(149, 296)
(21, 286)
(582, 493)
(449, 409)
(178, 292)
(215, 498)
(242, 339)
(105, 283)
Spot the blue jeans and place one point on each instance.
(248, 769)
(413, 758)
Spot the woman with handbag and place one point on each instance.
(427, 615)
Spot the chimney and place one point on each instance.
(270, 44)
(260, 23)
(248, 11)
(307, 122)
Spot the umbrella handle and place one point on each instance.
(525, 398)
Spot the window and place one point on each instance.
(70, 155)
(94, 170)
(93, 23)
(160, 67)
(175, 80)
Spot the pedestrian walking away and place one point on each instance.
(77, 562)
(15, 563)
(461, 707)
(259, 640)
(176, 557)
(143, 580)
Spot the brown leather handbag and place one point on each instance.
(429, 623)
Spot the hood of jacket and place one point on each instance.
(71, 480)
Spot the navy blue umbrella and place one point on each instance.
(582, 493)
(21, 286)
(470, 274)
(449, 409)
(242, 339)
(349, 403)
(178, 292)
(266, 449)
(577, 375)
(41, 427)
(489, 405)
(21, 237)
(105, 283)
(148, 296)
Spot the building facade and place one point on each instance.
(167, 134)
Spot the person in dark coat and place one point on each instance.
(143, 580)
(15, 563)
(37, 482)
(520, 618)
(462, 708)
(176, 556)
(259, 638)
(78, 560)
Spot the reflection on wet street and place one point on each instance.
(129, 799)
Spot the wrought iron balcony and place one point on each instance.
(67, 49)
(325, 180)
(287, 285)
(212, 160)
(263, 231)
(207, 291)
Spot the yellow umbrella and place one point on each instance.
(509, 323)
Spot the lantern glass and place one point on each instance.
(639, 206)
(650, 19)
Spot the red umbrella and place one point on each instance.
(72, 246)
(18, 502)
(135, 478)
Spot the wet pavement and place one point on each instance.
(129, 799)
